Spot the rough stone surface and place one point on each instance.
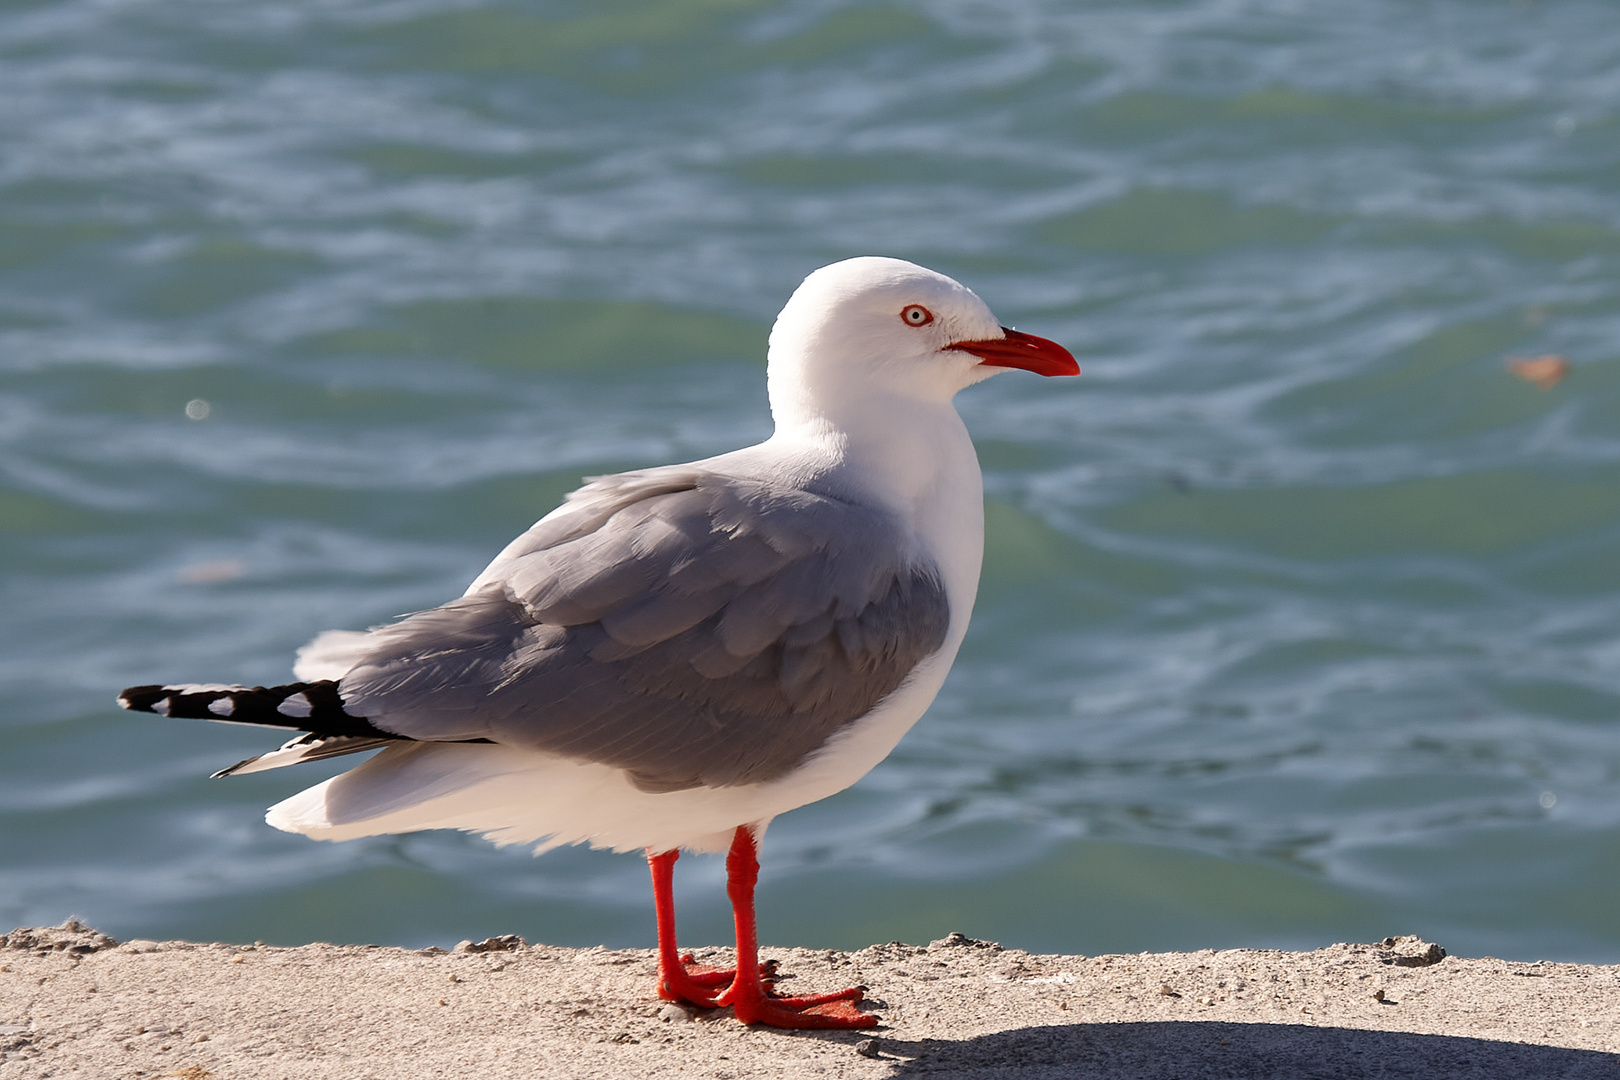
(73, 1003)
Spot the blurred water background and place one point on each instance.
(1301, 615)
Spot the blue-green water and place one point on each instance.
(1301, 616)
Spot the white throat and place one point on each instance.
(909, 456)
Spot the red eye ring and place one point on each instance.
(916, 315)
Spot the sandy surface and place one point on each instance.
(74, 1003)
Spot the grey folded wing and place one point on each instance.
(688, 627)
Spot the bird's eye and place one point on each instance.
(916, 315)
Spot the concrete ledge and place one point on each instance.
(74, 1003)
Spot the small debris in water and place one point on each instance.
(211, 573)
(1545, 371)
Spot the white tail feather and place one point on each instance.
(310, 747)
(330, 655)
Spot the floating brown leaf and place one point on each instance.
(1545, 371)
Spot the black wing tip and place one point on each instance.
(320, 709)
(142, 698)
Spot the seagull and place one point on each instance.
(676, 655)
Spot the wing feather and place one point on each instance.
(689, 627)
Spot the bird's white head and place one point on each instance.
(867, 331)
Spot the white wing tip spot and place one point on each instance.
(296, 706)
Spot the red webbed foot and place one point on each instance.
(747, 988)
(837, 1010)
(700, 985)
(754, 1000)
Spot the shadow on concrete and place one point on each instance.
(1204, 1051)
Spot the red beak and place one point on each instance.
(1025, 351)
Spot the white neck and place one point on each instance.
(894, 449)
(914, 459)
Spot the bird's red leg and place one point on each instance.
(680, 978)
(752, 998)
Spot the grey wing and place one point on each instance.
(690, 628)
